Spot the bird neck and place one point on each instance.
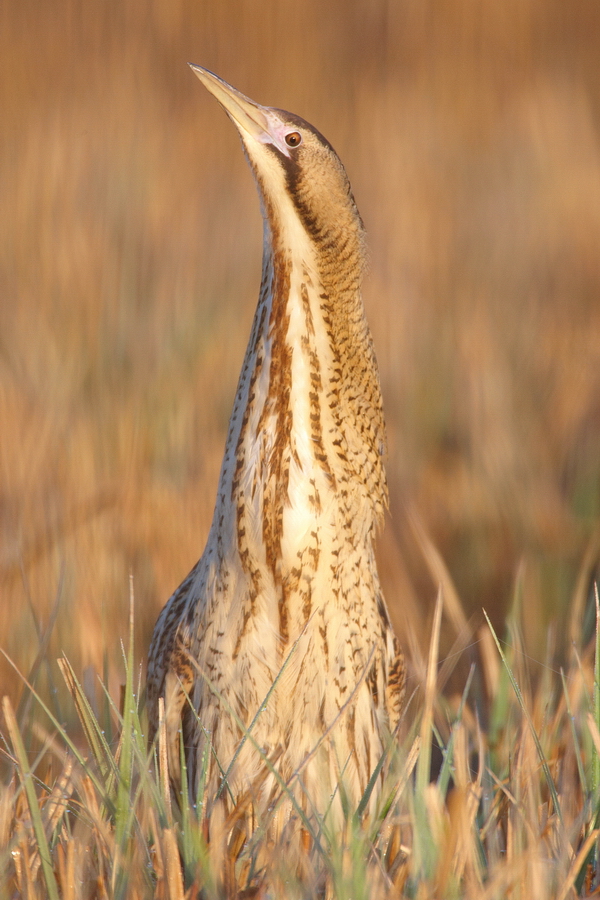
(307, 422)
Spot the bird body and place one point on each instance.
(278, 645)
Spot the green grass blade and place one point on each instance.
(595, 754)
(576, 747)
(123, 802)
(424, 763)
(91, 727)
(446, 769)
(64, 736)
(534, 734)
(26, 778)
(364, 800)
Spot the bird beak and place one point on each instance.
(250, 118)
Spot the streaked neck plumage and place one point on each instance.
(307, 432)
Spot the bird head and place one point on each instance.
(299, 175)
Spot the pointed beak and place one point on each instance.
(250, 118)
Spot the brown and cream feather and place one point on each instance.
(288, 577)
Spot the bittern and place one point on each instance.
(278, 645)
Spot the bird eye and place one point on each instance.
(293, 138)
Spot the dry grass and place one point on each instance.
(129, 266)
(511, 812)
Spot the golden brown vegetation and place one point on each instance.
(512, 813)
(129, 266)
(131, 239)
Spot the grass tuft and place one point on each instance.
(508, 812)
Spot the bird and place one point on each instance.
(274, 670)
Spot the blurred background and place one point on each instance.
(130, 254)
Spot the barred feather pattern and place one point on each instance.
(281, 626)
